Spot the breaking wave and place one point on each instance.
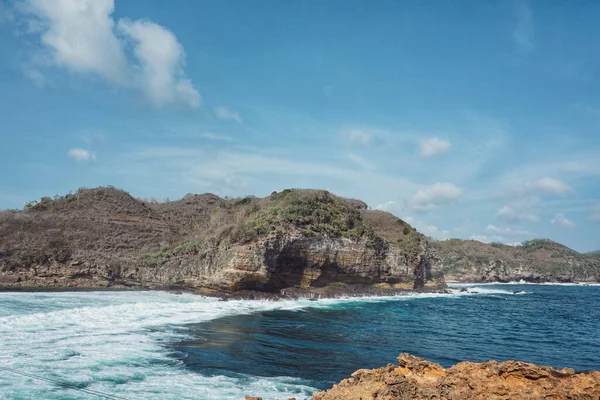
(115, 343)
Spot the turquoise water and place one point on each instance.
(153, 345)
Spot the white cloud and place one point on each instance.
(434, 146)
(523, 32)
(391, 207)
(234, 183)
(508, 231)
(547, 185)
(358, 137)
(228, 115)
(434, 232)
(81, 36)
(81, 155)
(560, 220)
(595, 217)
(521, 210)
(161, 59)
(434, 196)
(540, 186)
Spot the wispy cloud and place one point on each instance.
(35, 76)
(205, 168)
(392, 207)
(227, 115)
(523, 32)
(83, 37)
(361, 161)
(215, 137)
(560, 220)
(534, 187)
(434, 146)
(508, 231)
(81, 155)
(521, 210)
(547, 185)
(92, 137)
(434, 196)
(428, 229)
(357, 137)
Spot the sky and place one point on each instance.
(468, 119)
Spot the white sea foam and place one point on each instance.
(521, 282)
(112, 342)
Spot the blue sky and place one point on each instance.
(468, 119)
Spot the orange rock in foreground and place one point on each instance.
(416, 379)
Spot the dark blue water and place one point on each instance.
(549, 325)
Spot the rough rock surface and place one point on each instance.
(538, 260)
(297, 242)
(416, 379)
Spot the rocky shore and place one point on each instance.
(417, 379)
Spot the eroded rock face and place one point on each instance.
(288, 259)
(416, 378)
(535, 261)
(309, 241)
(271, 264)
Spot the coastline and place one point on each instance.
(332, 291)
(521, 282)
(328, 292)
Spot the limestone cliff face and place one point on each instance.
(288, 259)
(105, 238)
(416, 379)
(279, 261)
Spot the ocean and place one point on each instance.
(157, 345)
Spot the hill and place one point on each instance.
(538, 260)
(294, 240)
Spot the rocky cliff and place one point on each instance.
(292, 242)
(539, 260)
(416, 378)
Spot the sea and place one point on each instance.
(159, 345)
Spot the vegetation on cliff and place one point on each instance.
(104, 233)
(537, 260)
(108, 227)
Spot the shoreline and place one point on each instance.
(522, 282)
(328, 292)
(285, 294)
